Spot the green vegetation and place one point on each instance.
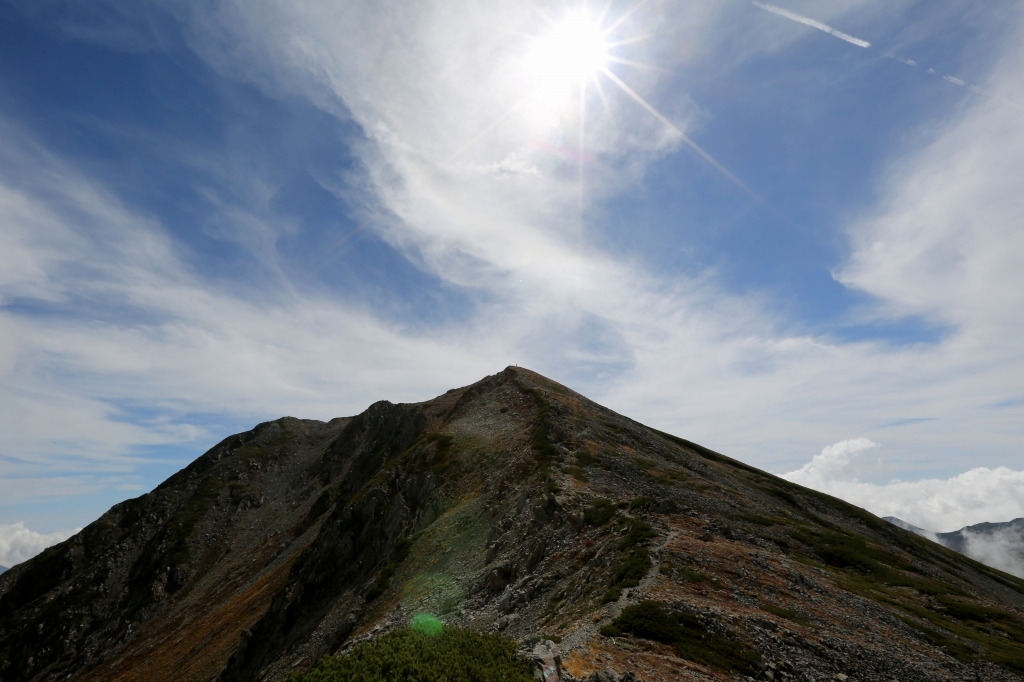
(409, 655)
(443, 441)
(788, 614)
(997, 637)
(612, 426)
(628, 574)
(649, 620)
(404, 546)
(692, 576)
(612, 594)
(576, 472)
(444, 461)
(639, 533)
(270, 444)
(953, 647)
(599, 512)
(968, 631)
(671, 478)
(634, 567)
(783, 495)
(640, 502)
(383, 582)
(846, 509)
(402, 549)
(320, 507)
(182, 525)
(962, 610)
(540, 435)
(758, 519)
(866, 565)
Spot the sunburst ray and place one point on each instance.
(639, 65)
(682, 136)
(625, 15)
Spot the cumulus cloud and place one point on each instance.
(831, 463)
(943, 505)
(18, 543)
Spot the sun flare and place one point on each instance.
(570, 61)
(574, 51)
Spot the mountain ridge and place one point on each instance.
(996, 544)
(512, 505)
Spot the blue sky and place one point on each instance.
(213, 214)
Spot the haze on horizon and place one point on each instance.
(789, 232)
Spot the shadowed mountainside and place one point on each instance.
(511, 505)
(1000, 545)
(958, 540)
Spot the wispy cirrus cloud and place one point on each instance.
(105, 313)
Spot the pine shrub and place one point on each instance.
(410, 655)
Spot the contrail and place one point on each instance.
(957, 81)
(775, 9)
(806, 21)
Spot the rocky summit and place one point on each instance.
(606, 549)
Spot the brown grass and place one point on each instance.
(177, 648)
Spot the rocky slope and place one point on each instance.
(512, 505)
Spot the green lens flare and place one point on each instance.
(427, 623)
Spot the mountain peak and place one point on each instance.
(512, 505)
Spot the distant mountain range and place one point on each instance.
(1000, 545)
(2, 569)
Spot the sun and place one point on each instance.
(573, 52)
(569, 61)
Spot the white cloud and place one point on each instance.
(155, 335)
(18, 543)
(941, 505)
(831, 463)
(1003, 550)
(945, 242)
(514, 163)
